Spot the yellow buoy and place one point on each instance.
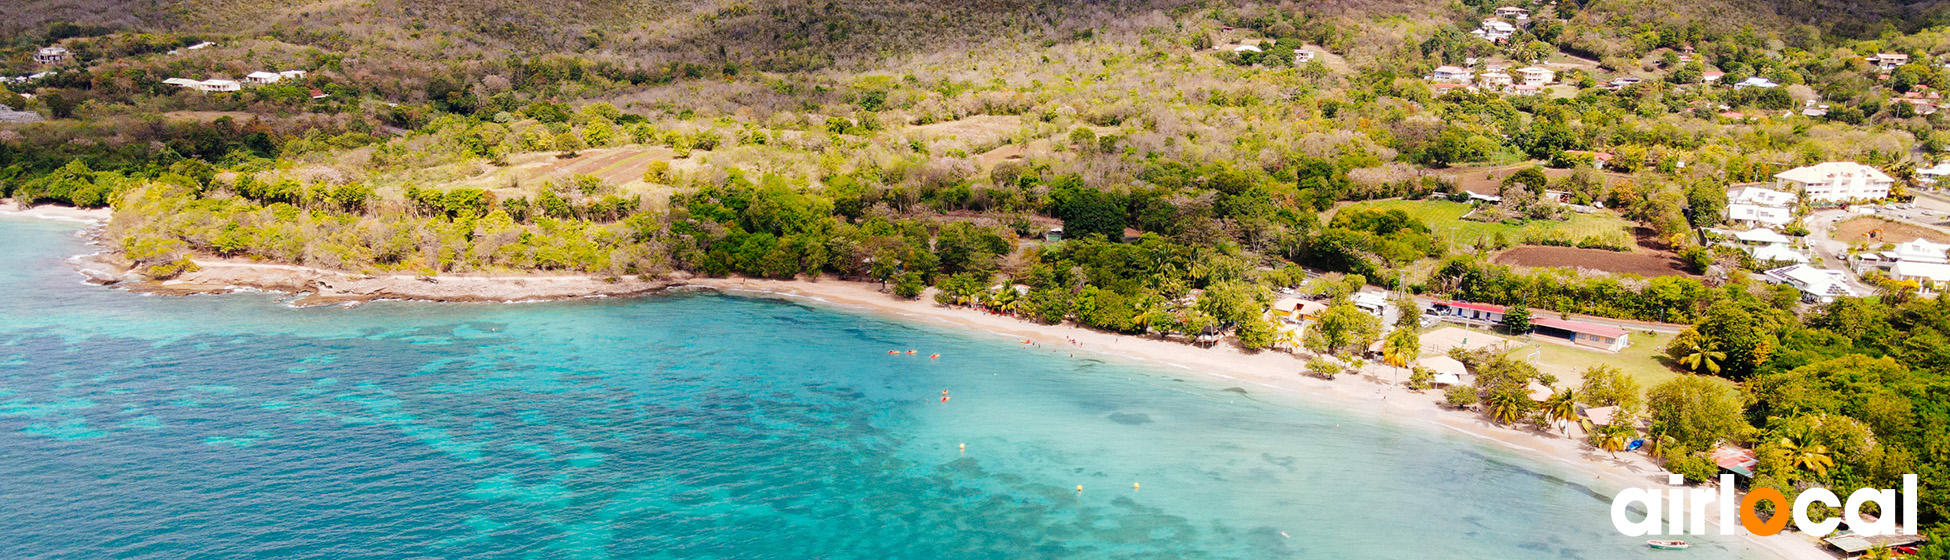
(1079, 488)
(964, 448)
(1134, 487)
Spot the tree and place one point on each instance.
(1340, 327)
(1613, 438)
(1562, 408)
(1324, 368)
(1698, 412)
(1517, 320)
(1509, 404)
(1700, 359)
(1605, 385)
(1814, 458)
(1401, 347)
(1460, 395)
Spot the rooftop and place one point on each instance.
(1580, 327)
(1821, 172)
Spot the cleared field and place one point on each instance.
(1445, 219)
(616, 166)
(1871, 229)
(1642, 264)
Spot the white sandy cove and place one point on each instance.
(49, 212)
(1281, 372)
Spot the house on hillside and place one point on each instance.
(181, 82)
(1836, 181)
(291, 74)
(1494, 31)
(1451, 75)
(1493, 81)
(51, 55)
(1762, 237)
(1888, 62)
(217, 86)
(1247, 48)
(1757, 206)
(1756, 82)
(261, 77)
(1611, 339)
(1756, 194)
(1513, 13)
(1817, 285)
(1303, 56)
(1537, 76)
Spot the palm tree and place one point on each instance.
(1562, 407)
(1814, 458)
(1289, 338)
(1402, 346)
(1507, 406)
(1700, 358)
(1613, 439)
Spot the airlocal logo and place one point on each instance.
(1685, 510)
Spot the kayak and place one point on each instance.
(1669, 545)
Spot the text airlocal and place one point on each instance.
(1683, 511)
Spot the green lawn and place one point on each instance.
(1640, 360)
(1445, 219)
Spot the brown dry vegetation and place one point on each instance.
(1641, 264)
(1871, 229)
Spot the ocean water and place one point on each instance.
(691, 426)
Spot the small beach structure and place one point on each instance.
(1736, 460)
(1601, 415)
(1447, 370)
(1297, 309)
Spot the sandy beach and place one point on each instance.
(51, 212)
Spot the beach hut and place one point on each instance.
(1736, 460)
(1448, 371)
(1592, 335)
(1601, 415)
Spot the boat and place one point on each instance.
(1669, 545)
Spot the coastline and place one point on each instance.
(1368, 392)
(1359, 393)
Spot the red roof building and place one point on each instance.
(1584, 334)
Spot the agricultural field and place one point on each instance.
(1641, 264)
(1445, 219)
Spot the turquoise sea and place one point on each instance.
(690, 426)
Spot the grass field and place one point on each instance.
(1445, 219)
(1640, 360)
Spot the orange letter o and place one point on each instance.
(1750, 518)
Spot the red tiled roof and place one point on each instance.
(1577, 327)
(1475, 306)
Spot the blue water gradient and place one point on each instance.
(689, 426)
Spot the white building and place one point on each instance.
(1888, 62)
(1755, 215)
(1933, 173)
(1303, 56)
(1816, 284)
(1246, 49)
(1920, 251)
(51, 55)
(1493, 80)
(216, 86)
(292, 74)
(1537, 76)
(1513, 12)
(1762, 236)
(1756, 82)
(1780, 253)
(1836, 181)
(1495, 31)
(1930, 276)
(1754, 194)
(182, 82)
(1451, 75)
(262, 77)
